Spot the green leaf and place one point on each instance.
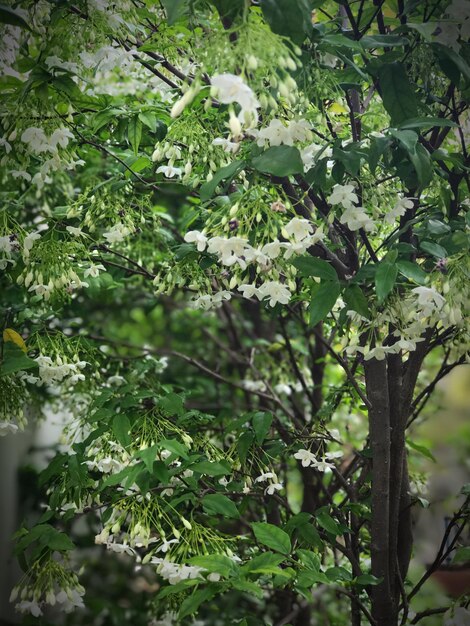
(324, 298)
(172, 404)
(121, 428)
(421, 449)
(462, 555)
(211, 468)
(174, 446)
(367, 579)
(325, 520)
(225, 173)
(60, 542)
(218, 504)
(272, 537)
(216, 563)
(134, 133)
(434, 249)
(311, 266)
(397, 93)
(279, 161)
(427, 122)
(190, 605)
(355, 300)
(291, 18)
(244, 443)
(261, 425)
(14, 360)
(262, 563)
(407, 138)
(412, 271)
(148, 456)
(9, 16)
(383, 41)
(385, 278)
(175, 10)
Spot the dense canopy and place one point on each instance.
(234, 261)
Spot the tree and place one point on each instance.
(232, 236)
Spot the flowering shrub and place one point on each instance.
(232, 236)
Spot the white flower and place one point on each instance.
(21, 174)
(344, 195)
(169, 171)
(272, 249)
(283, 388)
(276, 133)
(29, 607)
(195, 236)
(379, 353)
(226, 144)
(272, 488)
(276, 292)
(7, 428)
(401, 206)
(429, 299)
(75, 231)
(253, 385)
(306, 457)
(28, 243)
(94, 271)
(4, 144)
(117, 233)
(6, 244)
(311, 152)
(230, 251)
(249, 291)
(36, 139)
(229, 89)
(60, 137)
(213, 577)
(459, 616)
(298, 228)
(323, 466)
(266, 476)
(355, 218)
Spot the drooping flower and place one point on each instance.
(343, 195)
(306, 457)
(276, 292)
(195, 236)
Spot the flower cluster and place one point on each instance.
(355, 217)
(56, 371)
(278, 133)
(48, 583)
(309, 459)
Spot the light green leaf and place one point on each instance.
(9, 16)
(291, 18)
(397, 93)
(421, 449)
(261, 424)
(434, 249)
(216, 563)
(227, 173)
(272, 537)
(121, 428)
(412, 271)
(211, 468)
(175, 10)
(385, 278)
(174, 446)
(134, 133)
(311, 266)
(279, 161)
(355, 300)
(218, 504)
(324, 298)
